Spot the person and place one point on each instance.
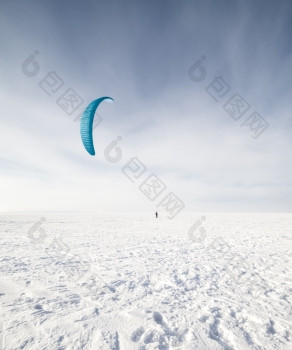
(156, 214)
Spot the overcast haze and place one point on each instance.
(139, 53)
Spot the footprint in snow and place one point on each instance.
(168, 336)
(137, 334)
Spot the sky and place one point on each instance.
(202, 102)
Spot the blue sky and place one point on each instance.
(139, 53)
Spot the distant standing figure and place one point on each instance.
(156, 214)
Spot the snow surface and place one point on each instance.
(85, 281)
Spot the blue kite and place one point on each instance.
(87, 122)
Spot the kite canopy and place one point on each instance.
(87, 122)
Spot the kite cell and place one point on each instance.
(87, 122)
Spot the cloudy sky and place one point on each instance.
(191, 133)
